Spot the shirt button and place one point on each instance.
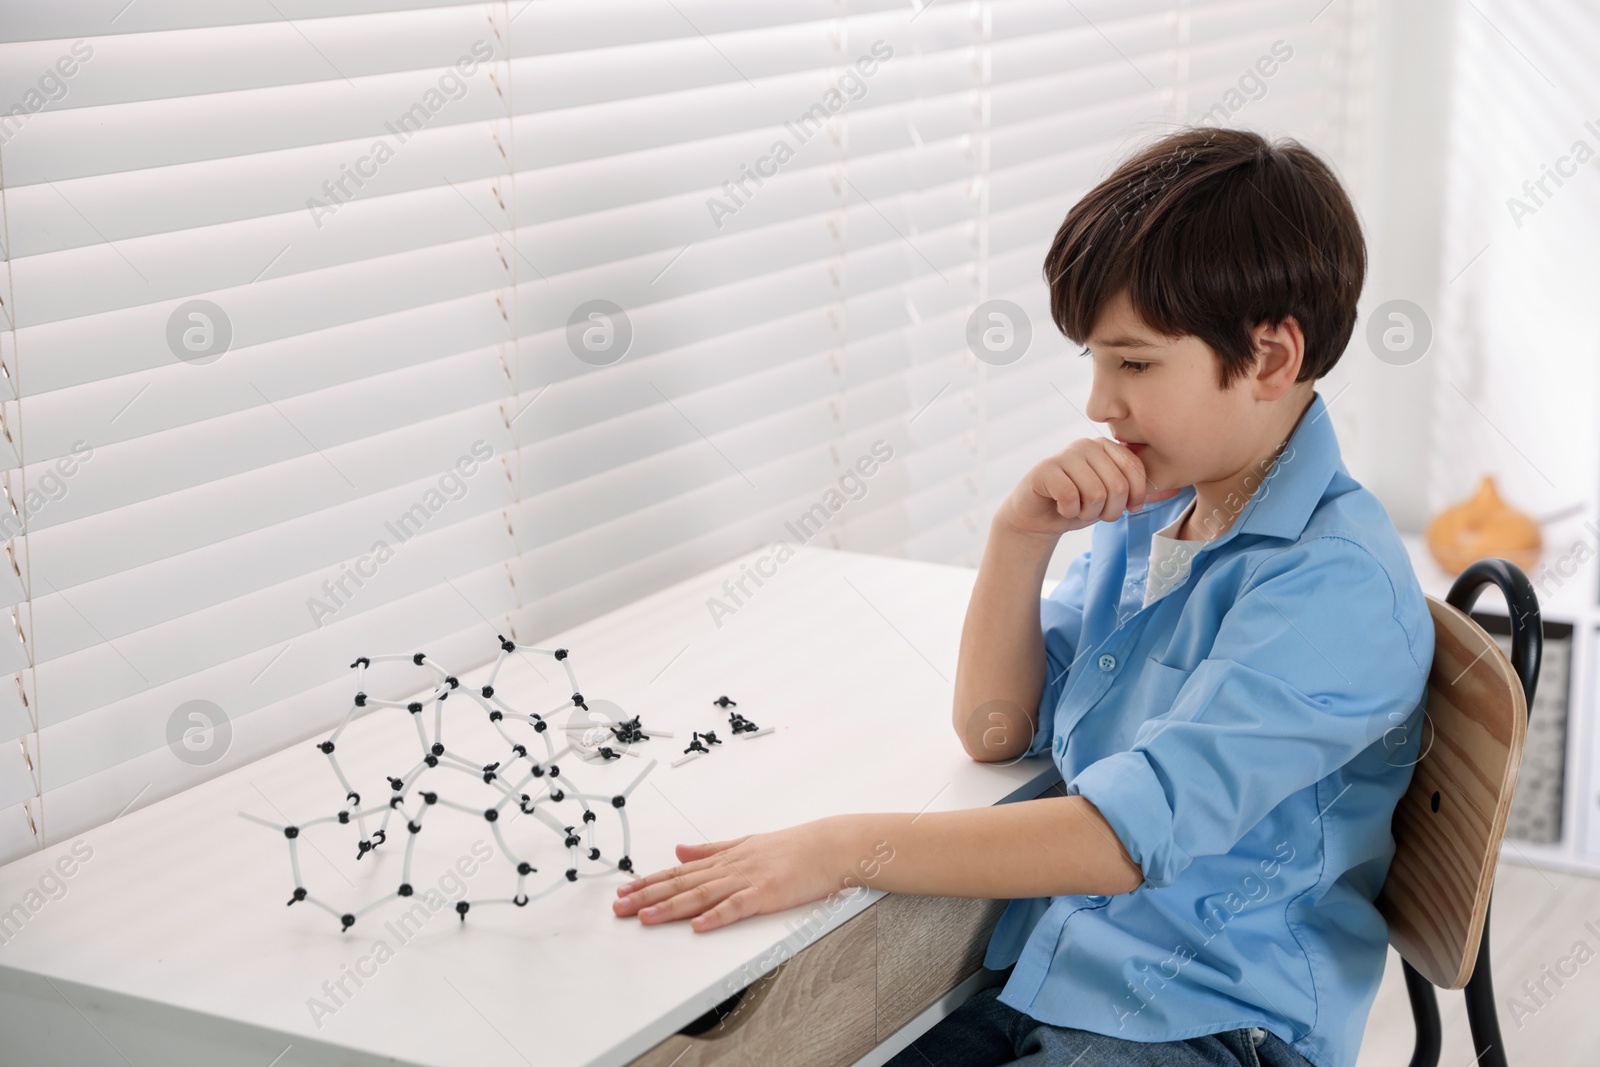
(1108, 662)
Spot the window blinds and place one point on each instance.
(353, 327)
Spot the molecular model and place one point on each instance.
(405, 793)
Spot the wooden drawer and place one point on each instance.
(815, 1010)
(926, 947)
(847, 992)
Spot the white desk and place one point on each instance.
(172, 945)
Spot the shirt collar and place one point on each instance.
(1282, 505)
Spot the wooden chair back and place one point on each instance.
(1449, 824)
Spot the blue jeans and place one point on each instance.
(983, 1032)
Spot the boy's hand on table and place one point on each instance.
(1092, 480)
(724, 881)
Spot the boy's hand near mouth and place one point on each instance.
(1094, 479)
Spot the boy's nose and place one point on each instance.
(1104, 406)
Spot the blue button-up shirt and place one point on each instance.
(1247, 736)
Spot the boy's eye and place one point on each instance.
(1128, 365)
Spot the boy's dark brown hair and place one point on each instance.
(1213, 231)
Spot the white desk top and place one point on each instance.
(850, 657)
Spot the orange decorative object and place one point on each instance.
(1483, 526)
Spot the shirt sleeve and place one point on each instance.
(1310, 666)
(1061, 617)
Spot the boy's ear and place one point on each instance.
(1280, 350)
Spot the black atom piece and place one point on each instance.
(573, 840)
(629, 732)
(347, 921)
(461, 909)
(405, 889)
(518, 750)
(495, 716)
(326, 747)
(361, 700)
(554, 770)
(437, 749)
(698, 739)
(540, 726)
(418, 658)
(507, 645)
(397, 784)
(740, 724)
(299, 894)
(430, 798)
(724, 702)
(625, 864)
(577, 698)
(618, 801)
(594, 853)
(588, 816)
(557, 795)
(520, 900)
(353, 797)
(560, 653)
(607, 752)
(394, 801)
(291, 832)
(361, 661)
(379, 837)
(414, 827)
(344, 818)
(572, 874)
(488, 691)
(414, 708)
(431, 760)
(491, 814)
(526, 868)
(453, 681)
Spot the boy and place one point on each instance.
(1228, 680)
